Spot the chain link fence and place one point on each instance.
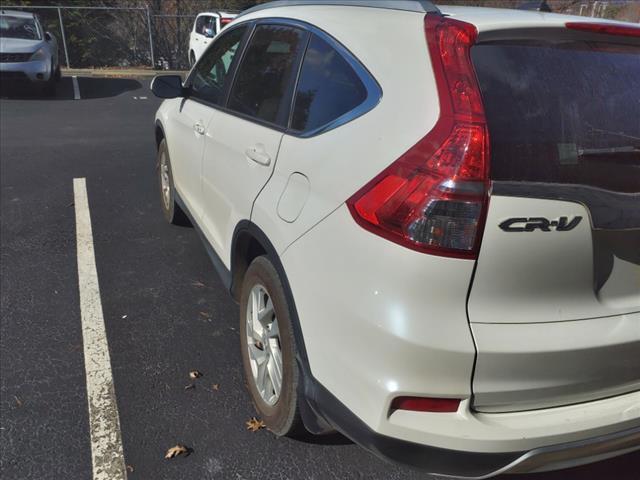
(171, 34)
(94, 37)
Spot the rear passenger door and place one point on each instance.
(189, 126)
(244, 139)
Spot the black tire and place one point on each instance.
(170, 209)
(283, 417)
(58, 74)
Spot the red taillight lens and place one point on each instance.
(605, 28)
(225, 21)
(421, 404)
(433, 198)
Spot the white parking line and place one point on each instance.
(104, 424)
(76, 88)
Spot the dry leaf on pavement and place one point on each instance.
(175, 451)
(216, 386)
(198, 284)
(130, 468)
(195, 374)
(190, 386)
(254, 424)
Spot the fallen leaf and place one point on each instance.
(175, 451)
(198, 284)
(124, 316)
(190, 386)
(130, 468)
(215, 386)
(204, 314)
(195, 374)
(18, 401)
(254, 424)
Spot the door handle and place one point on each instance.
(258, 155)
(198, 128)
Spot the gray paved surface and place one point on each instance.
(178, 316)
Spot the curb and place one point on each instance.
(107, 73)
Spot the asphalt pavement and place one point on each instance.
(165, 311)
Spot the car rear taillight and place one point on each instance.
(433, 198)
(225, 21)
(605, 28)
(426, 404)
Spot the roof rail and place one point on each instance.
(420, 6)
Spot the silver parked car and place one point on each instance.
(27, 52)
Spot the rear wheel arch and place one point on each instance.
(245, 248)
(250, 242)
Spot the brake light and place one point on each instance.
(423, 404)
(225, 21)
(606, 28)
(433, 198)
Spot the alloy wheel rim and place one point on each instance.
(164, 181)
(263, 342)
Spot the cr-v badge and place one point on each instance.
(539, 223)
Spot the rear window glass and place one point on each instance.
(562, 112)
(328, 87)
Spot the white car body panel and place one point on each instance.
(560, 287)
(554, 354)
(230, 179)
(386, 308)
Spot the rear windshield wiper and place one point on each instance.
(608, 152)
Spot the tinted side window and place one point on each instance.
(212, 70)
(266, 74)
(205, 22)
(328, 87)
(201, 23)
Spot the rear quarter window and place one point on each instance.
(327, 89)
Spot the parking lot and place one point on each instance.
(165, 311)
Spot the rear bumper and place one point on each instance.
(577, 453)
(470, 464)
(38, 71)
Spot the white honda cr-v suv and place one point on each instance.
(431, 220)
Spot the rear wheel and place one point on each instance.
(171, 210)
(269, 349)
